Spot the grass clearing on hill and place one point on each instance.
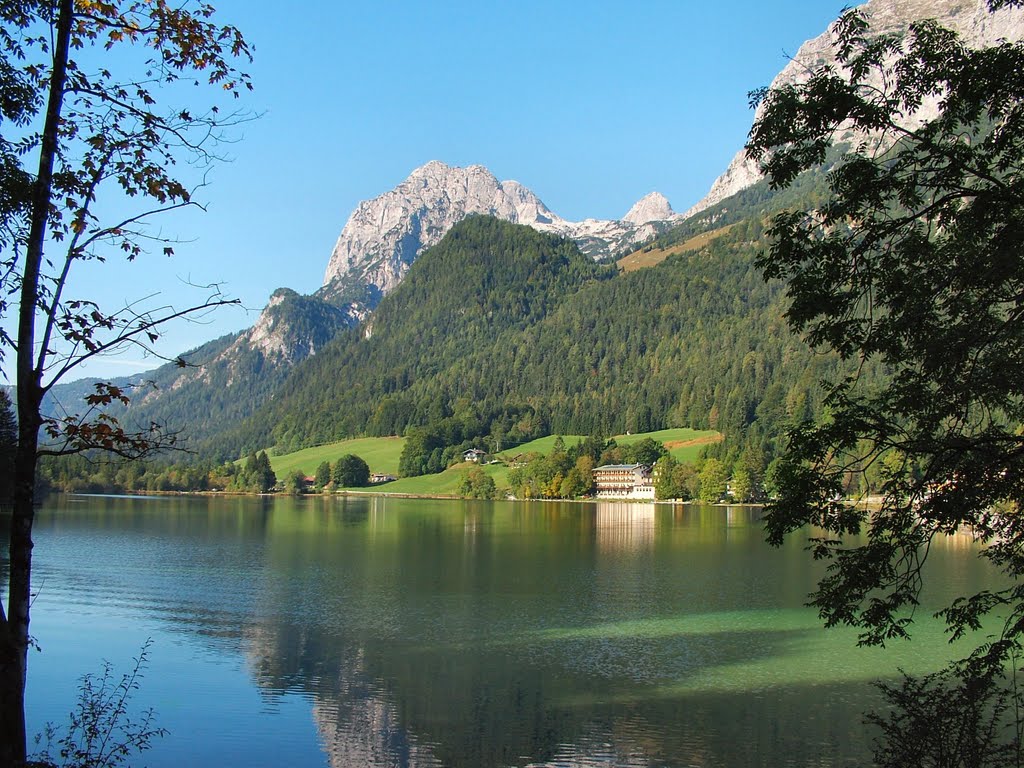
(540, 445)
(683, 443)
(653, 256)
(380, 453)
(443, 484)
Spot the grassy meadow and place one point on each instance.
(443, 484)
(382, 454)
(684, 444)
(650, 257)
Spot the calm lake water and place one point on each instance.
(386, 632)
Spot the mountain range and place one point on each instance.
(261, 370)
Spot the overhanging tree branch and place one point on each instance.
(914, 262)
(87, 132)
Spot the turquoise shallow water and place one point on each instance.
(383, 632)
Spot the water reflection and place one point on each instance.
(429, 633)
(624, 526)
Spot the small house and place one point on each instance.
(474, 455)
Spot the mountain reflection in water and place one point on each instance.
(387, 632)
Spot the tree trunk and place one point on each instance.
(15, 623)
(14, 645)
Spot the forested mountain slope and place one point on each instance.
(517, 334)
(486, 280)
(226, 379)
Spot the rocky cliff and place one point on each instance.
(383, 236)
(971, 19)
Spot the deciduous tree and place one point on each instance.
(477, 484)
(914, 260)
(351, 472)
(75, 128)
(323, 475)
(714, 477)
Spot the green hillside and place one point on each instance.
(683, 443)
(540, 445)
(381, 453)
(226, 379)
(442, 484)
(502, 334)
(487, 280)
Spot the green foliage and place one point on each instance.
(579, 480)
(322, 478)
(500, 333)
(961, 716)
(446, 483)
(237, 378)
(914, 261)
(256, 476)
(72, 133)
(351, 472)
(561, 474)
(748, 209)
(646, 451)
(714, 477)
(476, 484)
(664, 483)
(422, 454)
(101, 731)
(540, 477)
(485, 279)
(674, 479)
(381, 453)
(295, 482)
(742, 484)
(96, 475)
(748, 476)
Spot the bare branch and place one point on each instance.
(129, 336)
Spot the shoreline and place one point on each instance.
(393, 495)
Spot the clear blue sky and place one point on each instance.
(589, 104)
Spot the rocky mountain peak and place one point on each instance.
(971, 19)
(293, 327)
(383, 236)
(653, 206)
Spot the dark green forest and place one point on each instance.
(504, 333)
(500, 334)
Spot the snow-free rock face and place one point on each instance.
(650, 207)
(293, 327)
(971, 19)
(384, 235)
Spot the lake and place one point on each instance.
(397, 632)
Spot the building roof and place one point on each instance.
(620, 467)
